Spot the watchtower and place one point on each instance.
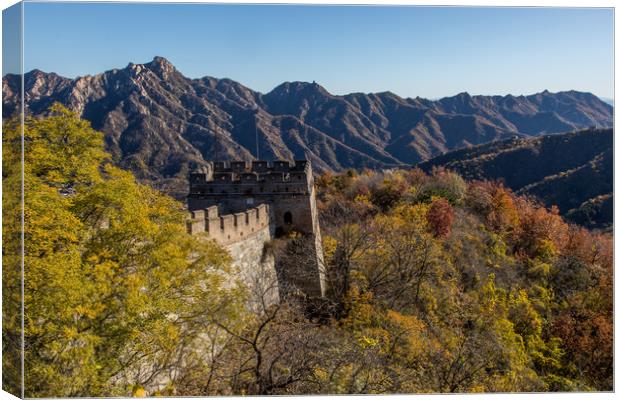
(238, 185)
(286, 188)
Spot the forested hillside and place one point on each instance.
(467, 287)
(573, 171)
(435, 285)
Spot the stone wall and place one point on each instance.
(256, 267)
(245, 235)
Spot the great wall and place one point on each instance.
(245, 206)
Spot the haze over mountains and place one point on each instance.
(159, 123)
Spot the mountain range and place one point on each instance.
(160, 124)
(573, 171)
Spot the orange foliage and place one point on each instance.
(538, 229)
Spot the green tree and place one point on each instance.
(116, 291)
(11, 257)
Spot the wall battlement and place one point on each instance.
(259, 166)
(229, 228)
(220, 173)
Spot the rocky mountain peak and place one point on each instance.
(161, 62)
(463, 96)
(161, 67)
(297, 88)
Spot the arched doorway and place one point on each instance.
(288, 218)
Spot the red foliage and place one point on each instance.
(588, 340)
(440, 216)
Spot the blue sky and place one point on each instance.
(411, 51)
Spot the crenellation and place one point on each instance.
(195, 224)
(227, 224)
(214, 227)
(281, 166)
(211, 212)
(198, 214)
(228, 228)
(239, 220)
(234, 173)
(238, 166)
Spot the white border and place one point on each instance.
(476, 3)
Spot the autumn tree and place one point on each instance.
(440, 216)
(115, 289)
(12, 356)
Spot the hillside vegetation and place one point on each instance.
(435, 285)
(573, 171)
(489, 290)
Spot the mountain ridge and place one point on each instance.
(160, 124)
(160, 59)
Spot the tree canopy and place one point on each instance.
(116, 291)
(435, 284)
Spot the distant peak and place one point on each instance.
(387, 93)
(161, 66)
(463, 97)
(300, 87)
(38, 72)
(161, 61)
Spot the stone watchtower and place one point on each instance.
(281, 190)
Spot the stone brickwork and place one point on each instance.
(256, 267)
(232, 201)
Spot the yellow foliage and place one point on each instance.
(329, 246)
(138, 391)
(96, 294)
(366, 342)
